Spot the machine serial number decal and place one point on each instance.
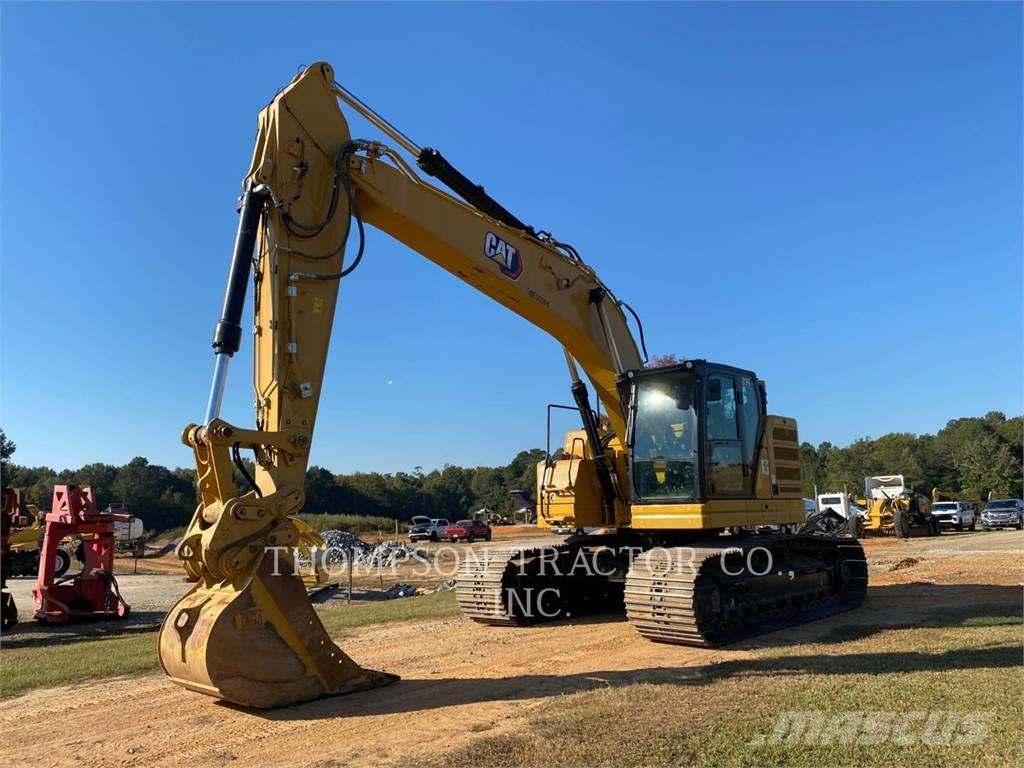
(537, 297)
(504, 254)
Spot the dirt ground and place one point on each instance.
(458, 678)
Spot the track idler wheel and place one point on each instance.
(258, 644)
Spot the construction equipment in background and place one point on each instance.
(557, 478)
(895, 509)
(26, 546)
(93, 593)
(27, 538)
(688, 451)
(833, 514)
(128, 531)
(13, 514)
(840, 502)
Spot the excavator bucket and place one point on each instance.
(260, 644)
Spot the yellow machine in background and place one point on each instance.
(688, 450)
(29, 532)
(895, 509)
(26, 545)
(557, 480)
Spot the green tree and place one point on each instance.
(161, 498)
(102, 478)
(987, 464)
(7, 449)
(812, 470)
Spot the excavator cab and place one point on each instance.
(663, 436)
(694, 433)
(701, 447)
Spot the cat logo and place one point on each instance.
(504, 254)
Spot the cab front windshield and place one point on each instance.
(664, 437)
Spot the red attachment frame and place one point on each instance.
(93, 593)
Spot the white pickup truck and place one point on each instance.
(427, 528)
(955, 514)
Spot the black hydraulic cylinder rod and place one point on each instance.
(434, 163)
(604, 477)
(227, 335)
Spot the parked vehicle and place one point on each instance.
(1003, 513)
(128, 530)
(433, 530)
(954, 514)
(469, 530)
(841, 503)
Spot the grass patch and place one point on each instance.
(437, 605)
(22, 669)
(712, 715)
(43, 666)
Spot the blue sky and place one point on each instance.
(829, 194)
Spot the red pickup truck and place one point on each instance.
(469, 530)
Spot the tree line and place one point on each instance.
(166, 498)
(971, 456)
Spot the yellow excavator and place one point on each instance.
(684, 490)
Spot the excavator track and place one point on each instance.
(720, 592)
(515, 587)
(479, 586)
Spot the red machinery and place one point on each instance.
(93, 593)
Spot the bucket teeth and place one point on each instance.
(261, 645)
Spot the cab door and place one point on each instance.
(751, 409)
(723, 445)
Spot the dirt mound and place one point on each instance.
(906, 562)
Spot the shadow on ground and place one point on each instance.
(962, 605)
(414, 695)
(32, 633)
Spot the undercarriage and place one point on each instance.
(704, 591)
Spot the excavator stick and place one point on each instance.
(247, 632)
(258, 645)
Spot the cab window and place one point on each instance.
(664, 439)
(725, 452)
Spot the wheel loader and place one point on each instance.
(688, 452)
